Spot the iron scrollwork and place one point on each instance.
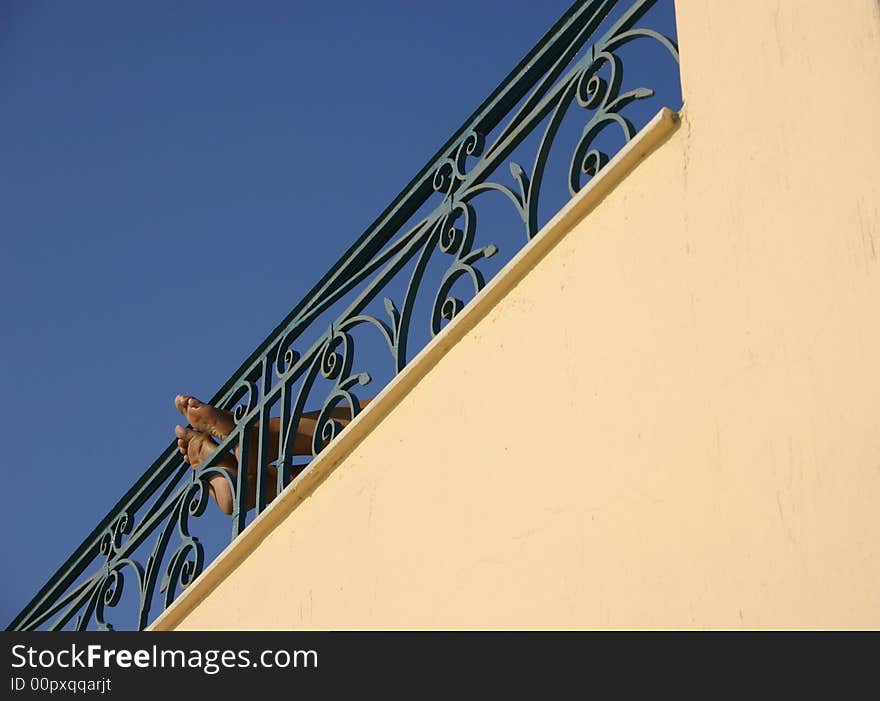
(372, 293)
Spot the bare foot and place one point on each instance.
(204, 417)
(197, 447)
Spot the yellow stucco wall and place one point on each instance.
(672, 420)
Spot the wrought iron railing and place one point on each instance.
(564, 109)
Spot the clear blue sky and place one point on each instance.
(174, 176)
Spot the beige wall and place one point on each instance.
(673, 420)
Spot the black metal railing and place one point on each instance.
(553, 122)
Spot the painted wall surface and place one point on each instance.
(673, 420)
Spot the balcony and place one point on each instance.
(594, 376)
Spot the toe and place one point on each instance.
(184, 402)
(180, 403)
(186, 435)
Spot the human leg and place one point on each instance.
(206, 420)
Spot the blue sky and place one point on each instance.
(174, 176)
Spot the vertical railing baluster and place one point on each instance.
(263, 438)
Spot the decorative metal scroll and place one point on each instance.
(407, 276)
